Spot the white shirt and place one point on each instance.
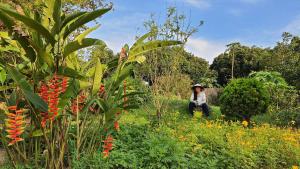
(201, 98)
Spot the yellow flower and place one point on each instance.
(245, 123)
(295, 167)
(198, 114)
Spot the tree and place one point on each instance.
(196, 67)
(243, 98)
(286, 59)
(165, 62)
(245, 60)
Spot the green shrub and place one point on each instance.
(243, 98)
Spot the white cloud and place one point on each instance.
(205, 48)
(293, 27)
(202, 4)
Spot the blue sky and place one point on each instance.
(251, 22)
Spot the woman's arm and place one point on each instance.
(192, 98)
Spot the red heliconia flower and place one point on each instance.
(15, 125)
(64, 84)
(117, 126)
(53, 97)
(108, 146)
(50, 94)
(12, 108)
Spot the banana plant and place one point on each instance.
(45, 45)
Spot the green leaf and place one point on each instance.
(38, 133)
(97, 77)
(119, 78)
(80, 37)
(66, 71)
(71, 92)
(139, 58)
(30, 23)
(6, 20)
(24, 42)
(70, 18)
(83, 19)
(2, 88)
(56, 15)
(151, 45)
(2, 75)
(76, 45)
(57, 11)
(141, 40)
(27, 90)
(84, 84)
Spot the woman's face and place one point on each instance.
(198, 89)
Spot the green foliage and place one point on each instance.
(269, 79)
(284, 105)
(194, 66)
(83, 100)
(187, 143)
(283, 58)
(246, 59)
(243, 98)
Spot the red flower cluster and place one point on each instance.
(14, 124)
(50, 94)
(108, 146)
(117, 126)
(64, 84)
(78, 105)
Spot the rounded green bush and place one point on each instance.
(243, 98)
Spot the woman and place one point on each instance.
(198, 99)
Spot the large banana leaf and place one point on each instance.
(97, 77)
(119, 77)
(71, 17)
(23, 41)
(44, 55)
(6, 20)
(83, 19)
(57, 11)
(56, 16)
(80, 37)
(27, 90)
(30, 23)
(76, 45)
(151, 45)
(141, 40)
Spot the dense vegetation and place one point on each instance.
(68, 101)
(283, 58)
